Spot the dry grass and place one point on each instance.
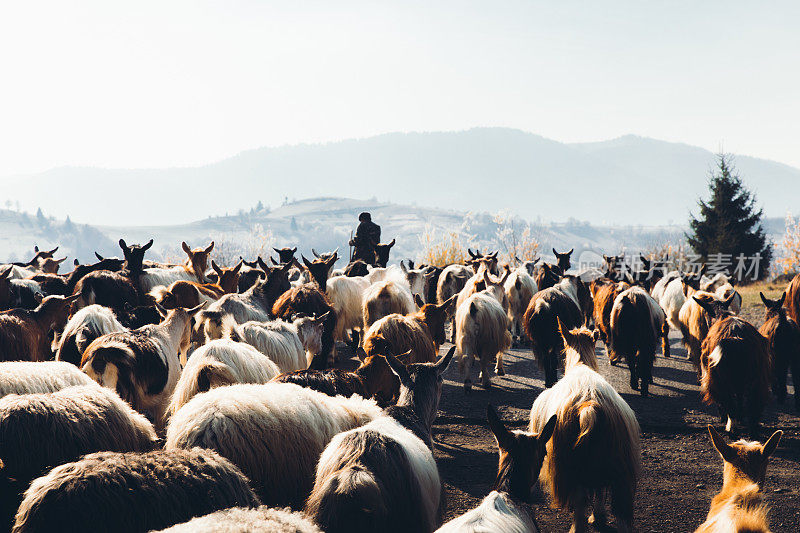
(444, 250)
(750, 297)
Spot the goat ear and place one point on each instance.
(36, 248)
(322, 318)
(98, 256)
(262, 265)
(59, 261)
(271, 260)
(721, 446)
(210, 247)
(767, 303)
(557, 254)
(148, 245)
(446, 305)
(361, 354)
(294, 250)
(563, 330)
(771, 444)
(186, 248)
(781, 299)
(703, 271)
(196, 308)
(161, 311)
(123, 245)
(705, 305)
(238, 266)
(441, 364)
(570, 251)
(71, 298)
(418, 300)
(313, 251)
(727, 302)
(398, 368)
(403, 266)
(501, 434)
(391, 243)
(306, 261)
(545, 434)
(76, 262)
(286, 267)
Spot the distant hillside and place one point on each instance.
(324, 224)
(630, 180)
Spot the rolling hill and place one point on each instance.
(629, 180)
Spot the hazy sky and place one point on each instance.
(167, 83)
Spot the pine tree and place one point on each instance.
(729, 222)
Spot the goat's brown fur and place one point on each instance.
(739, 505)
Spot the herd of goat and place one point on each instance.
(208, 399)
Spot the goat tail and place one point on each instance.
(350, 499)
(229, 330)
(214, 374)
(588, 418)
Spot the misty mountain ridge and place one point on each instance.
(628, 180)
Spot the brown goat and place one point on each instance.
(739, 505)
(196, 263)
(604, 292)
(792, 302)
(694, 322)
(783, 341)
(25, 335)
(735, 366)
(420, 334)
(190, 293)
(309, 300)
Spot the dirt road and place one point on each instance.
(681, 473)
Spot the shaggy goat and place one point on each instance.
(735, 366)
(184, 293)
(309, 300)
(25, 334)
(595, 443)
(253, 304)
(451, 280)
(142, 365)
(291, 346)
(384, 298)
(24, 377)
(241, 520)
(84, 327)
(504, 509)
(481, 332)
(347, 298)
(520, 288)
(220, 362)
(382, 476)
(274, 432)
(333, 381)
(783, 341)
(739, 506)
(75, 420)
(193, 269)
(694, 322)
(637, 322)
(559, 302)
(792, 302)
(132, 492)
(419, 335)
